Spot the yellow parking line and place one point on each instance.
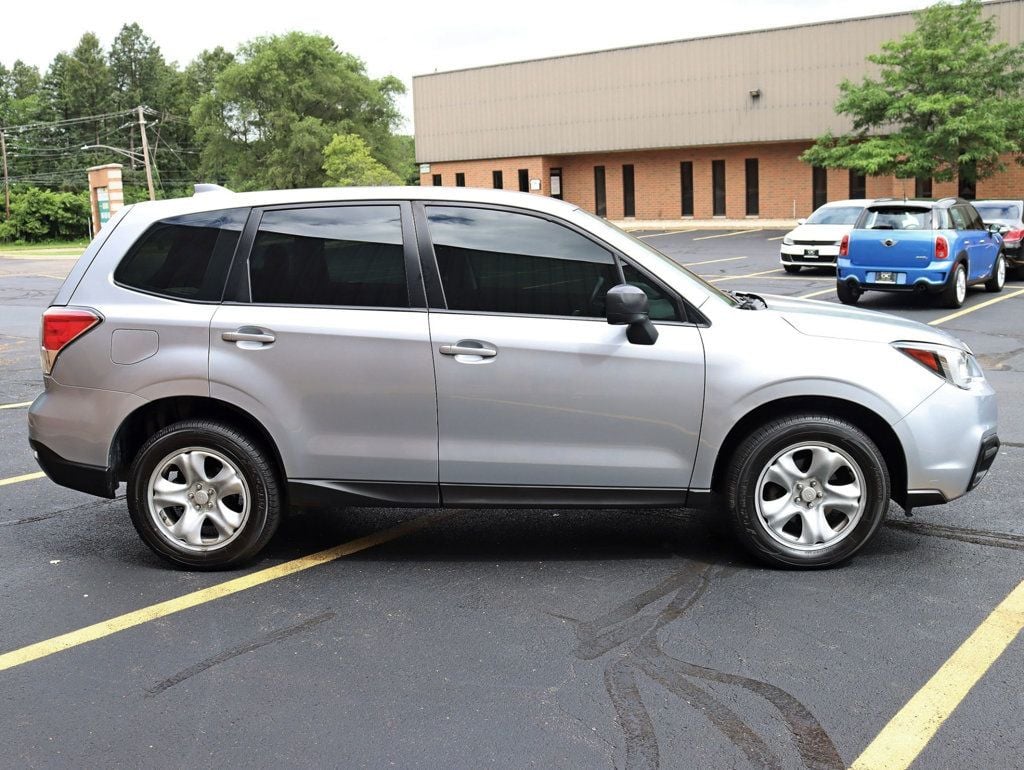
(726, 235)
(711, 261)
(735, 277)
(818, 293)
(187, 601)
(25, 477)
(670, 232)
(776, 239)
(979, 306)
(19, 405)
(907, 733)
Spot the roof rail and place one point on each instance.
(209, 188)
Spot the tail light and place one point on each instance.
(1013, 236)
(941, 248)
(62, 326)
(844, 246)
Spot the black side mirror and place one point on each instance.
(994, 227)
(627, 305)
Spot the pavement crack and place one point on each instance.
(975, 536)
(234, 652)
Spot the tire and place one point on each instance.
(171, 505)
(997, 280)
(955, 291)
(791, 269)
(848, 295)
(834, 525)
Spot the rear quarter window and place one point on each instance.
(184, 257)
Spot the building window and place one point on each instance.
(600, 202)
(686, 187)
(460, 179)
(923, 188)
(524, 180)
(556, 183)
(437, 180)
(496, 180)
(966, 188)
(858, 185)
(753, 203)
(819, 187)
(628, 191)
(718, 188)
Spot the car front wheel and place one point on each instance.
(204, 495)
(791, 269)
(808, 490)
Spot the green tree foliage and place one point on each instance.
(279, 103)
(947, 102)
(43, 215)
(348, 162)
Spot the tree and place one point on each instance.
(947, 102)
(275, 107)
(348, 162)
(137, 68)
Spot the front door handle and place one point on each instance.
(248, 334)
(469, 348)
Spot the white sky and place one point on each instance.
(406, 38)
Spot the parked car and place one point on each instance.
(940, 247)
(231, 355)
(1006, 214)
(815, 240)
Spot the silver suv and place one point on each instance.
(231, 355)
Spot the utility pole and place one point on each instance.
(7, 186)
(145, 154)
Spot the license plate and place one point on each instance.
(811, 253)
(885, 278)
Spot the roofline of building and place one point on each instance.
(985, 4)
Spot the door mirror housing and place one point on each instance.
(801, 222)
(627, 305)
(995, 227)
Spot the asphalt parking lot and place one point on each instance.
(555, 638)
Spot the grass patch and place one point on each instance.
(47, 247)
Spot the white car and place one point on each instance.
(815, 241)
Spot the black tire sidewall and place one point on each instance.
(248, 458)
(847, 294)
(757, 451)
(949, 298)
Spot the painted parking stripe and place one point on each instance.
(24, 477)
(711, 261)
(776, 239)
(187, 601)
(19, 405)
(726, 235)
(735, 277)
(818, 293)
(972, 308)
(907, 733)
(670, 232)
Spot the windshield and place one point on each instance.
(615, 234)
(835, 215)
(1006, 212)
(897, 218)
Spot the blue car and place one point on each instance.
(939, 247)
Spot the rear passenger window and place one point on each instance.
(505, 262)
(959, 220)
(184, 257)
(332, 255)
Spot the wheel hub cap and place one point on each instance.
(809, 495)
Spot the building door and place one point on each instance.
(600, 202)
(718, 188)
(556, 183)
(819, 187)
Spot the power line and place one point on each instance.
(66, 121)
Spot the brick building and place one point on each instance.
(709, 127)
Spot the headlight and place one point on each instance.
(958, 367)
(787, 241)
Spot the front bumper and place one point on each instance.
(950, 442)
(798, 255)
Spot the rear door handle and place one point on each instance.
(467, 348)
(248, 334)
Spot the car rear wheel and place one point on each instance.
(791, 269)
(955, 291)
(848, 295)
(203, 495)
(997, 280)
(807, 491)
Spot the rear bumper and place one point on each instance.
(924, 278)
(92, 479)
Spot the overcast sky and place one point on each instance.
(405, 38)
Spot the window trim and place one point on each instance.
(435, 290)
(225, 284)
(238, 276)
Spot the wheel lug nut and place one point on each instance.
(799, 486)
(190, 495)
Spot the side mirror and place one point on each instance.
(801, 222)
(994, 227)
(627, 305)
